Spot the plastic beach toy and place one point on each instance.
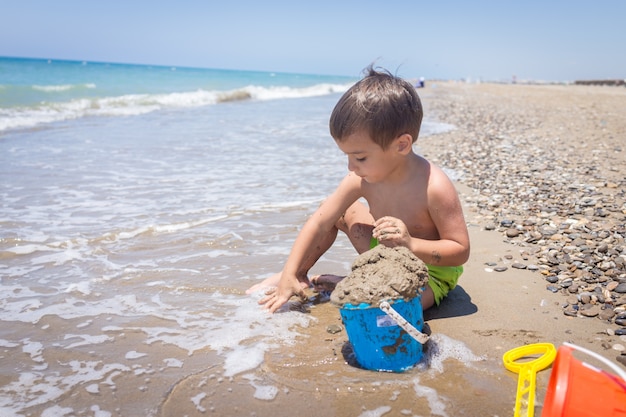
(527, 370)
(573, 383)
(386, 338)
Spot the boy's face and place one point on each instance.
(366, 158)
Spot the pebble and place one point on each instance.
(513, 233)
(552, 288)
(592, 311)
(552, 279)
(334, 328)
(607, 314)
(564, 207)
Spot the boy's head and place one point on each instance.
(383, 105)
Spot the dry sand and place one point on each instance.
(488, 313)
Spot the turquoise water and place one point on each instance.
(39, 91)
(138, 203)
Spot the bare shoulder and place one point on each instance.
(443, 198)
(439, 182)
(349, 190)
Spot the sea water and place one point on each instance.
(138, 203)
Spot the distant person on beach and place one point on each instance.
(421, 83)
(410, 201)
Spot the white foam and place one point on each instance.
(57, 411)
(434, 128)
(36, 388)
(86, 340)
(62, 87)
(265, 392)
(134, 355)
(241, 360)
(196, 400)
(173, 363)
(7, 344)
(28, 249)
(231, 321)
(34, 349)
(262, 392)
(380, 411)
(164, 228)
(83, 287)
(442, 347)
(273, 93)
(97, 412)
(435, 402)
(59, 258)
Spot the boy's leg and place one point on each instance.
(428, 297)
(357, 223)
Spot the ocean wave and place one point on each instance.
(137, 104)
(63, 87)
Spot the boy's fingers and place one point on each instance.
(268, 295)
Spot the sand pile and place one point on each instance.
(379, 274)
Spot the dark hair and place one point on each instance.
(385, 105)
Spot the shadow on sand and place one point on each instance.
(458, 303)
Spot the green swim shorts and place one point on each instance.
(442, 279)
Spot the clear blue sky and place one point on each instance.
(492, 40)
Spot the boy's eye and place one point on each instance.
(361, 159)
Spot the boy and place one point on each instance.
(411, 201)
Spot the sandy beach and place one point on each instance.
(149, 317)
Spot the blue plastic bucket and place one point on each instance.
(379, 343)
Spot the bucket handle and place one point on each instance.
(602, 359)
(408, 327)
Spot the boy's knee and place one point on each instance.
(341, 223)
(428, 298)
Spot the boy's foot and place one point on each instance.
(325, 282)
(270, 282)
(267, 283)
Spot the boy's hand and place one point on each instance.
(391, 232)
(276, 297)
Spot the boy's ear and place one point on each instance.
(404, 143)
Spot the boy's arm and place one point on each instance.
(314, 231)
(453, 246)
